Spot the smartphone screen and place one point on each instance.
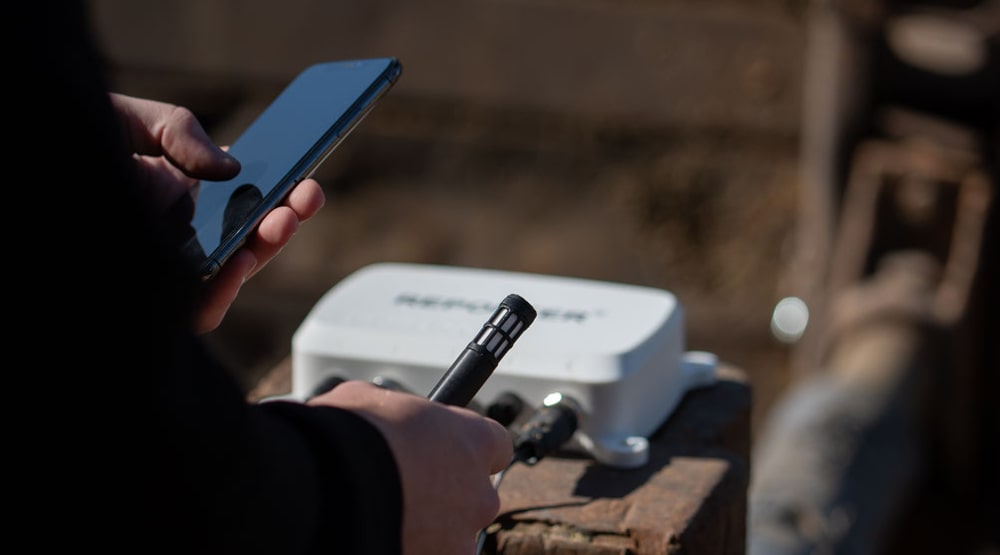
(284, 145)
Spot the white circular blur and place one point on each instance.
(789, 319)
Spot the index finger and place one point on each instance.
(504, 446)
(495, 438)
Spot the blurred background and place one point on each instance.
(652, 143)
(706, 148)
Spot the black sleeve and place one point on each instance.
(124, 435)
(278, 477)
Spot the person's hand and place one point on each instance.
(445, 457)
(173, 152)
(273, 233)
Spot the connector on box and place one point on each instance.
(548, 429)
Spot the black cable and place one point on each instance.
(545, 432)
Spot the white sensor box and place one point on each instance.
(616, 349)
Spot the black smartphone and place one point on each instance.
(285, 144)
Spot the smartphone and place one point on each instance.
(285, 144)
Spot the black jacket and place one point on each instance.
(125, 435)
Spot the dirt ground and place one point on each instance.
(689, 184)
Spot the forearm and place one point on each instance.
(279, 477)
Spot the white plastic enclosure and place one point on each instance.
(617, 349)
